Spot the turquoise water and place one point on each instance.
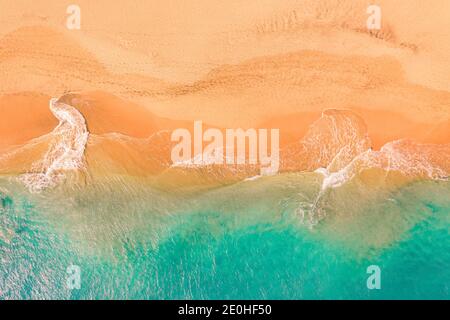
(230, 248)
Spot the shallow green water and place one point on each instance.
(245, 241)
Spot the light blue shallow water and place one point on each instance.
(207, 255)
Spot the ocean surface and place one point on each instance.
(275, 237)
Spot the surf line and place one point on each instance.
(230, 150)
(65, 152)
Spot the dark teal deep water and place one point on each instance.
(209, 254)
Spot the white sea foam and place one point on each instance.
(207, 159)
(254, 178)
(338, 142)
(404, 156)
(65, 152)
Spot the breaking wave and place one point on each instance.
(404, 156)
(65, 152)
(338, 146)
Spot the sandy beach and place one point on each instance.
(274, 66)
(211, 149)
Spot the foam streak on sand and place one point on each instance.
(65, 151)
